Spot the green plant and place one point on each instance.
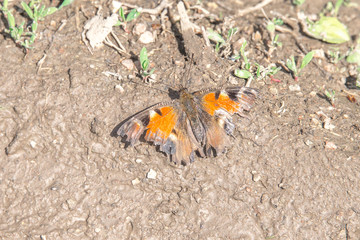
(270, 26)
(145, 64)
(328, 28)
(133, 14)
(298, 2)
(36, 12)
(290, 63)
(335, 55)
(243, 73)
(354, 54)
(260, 73)
(330, 96)
(219, 40)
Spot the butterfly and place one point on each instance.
(194, 123)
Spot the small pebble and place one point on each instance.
(146, 37)
(313, 94)
(330, 145)
(139, 28)
(319, 53)
(328, 125)
(151, 174)
(135, 181)
(53, 23)
(116, 5)
(119, 88)
(128, 63)
(98, 148)
(153, 77)
(138, 160)
(315, 121)
(308, 142)
(97, 230)
(257, 36)
(33, 144)
(71, 203)
(273, 91)
(255, 176)
(294, 88)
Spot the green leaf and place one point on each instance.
(337, 6)
(122, 14)
(118, 23)
(214, 36)
(27, 10)
(151, 71)
(290, 63)
(242, 52)
(217, 47)
(144, 61)
(242, 73)
(11, 20)
(49, 11)
(270, 27)
(132, 15)
(65, 3)
(34, 26)
(278, 21)
(40, 13)
(274, 70)
(298, 2)
(329, 29)
(5, 4)
(308, 57)
(258, 70)
(354, 57)
(231, 32)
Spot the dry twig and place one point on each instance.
(245, 11)
(154, 11)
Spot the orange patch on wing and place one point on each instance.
(211, 104)
(161, 125)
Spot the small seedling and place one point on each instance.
(133, 14)
(298, 2)
(243, 73)
(290, 63)
(145, 63)
(36, 12)
(354, 54)
(261, 72)
(271, 25)
(335, 55)
(219, 40)
(330, 95)
(332, 10)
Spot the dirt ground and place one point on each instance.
(63, 176)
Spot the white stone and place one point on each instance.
(116, 5)
(151, 174)
(139, 28)
(146, 37)
(128, 63)
(135, 181)
(33, 144)
(294, 88)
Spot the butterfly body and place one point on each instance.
(198, 122)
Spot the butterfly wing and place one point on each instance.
(164, 125)
(221, 104)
